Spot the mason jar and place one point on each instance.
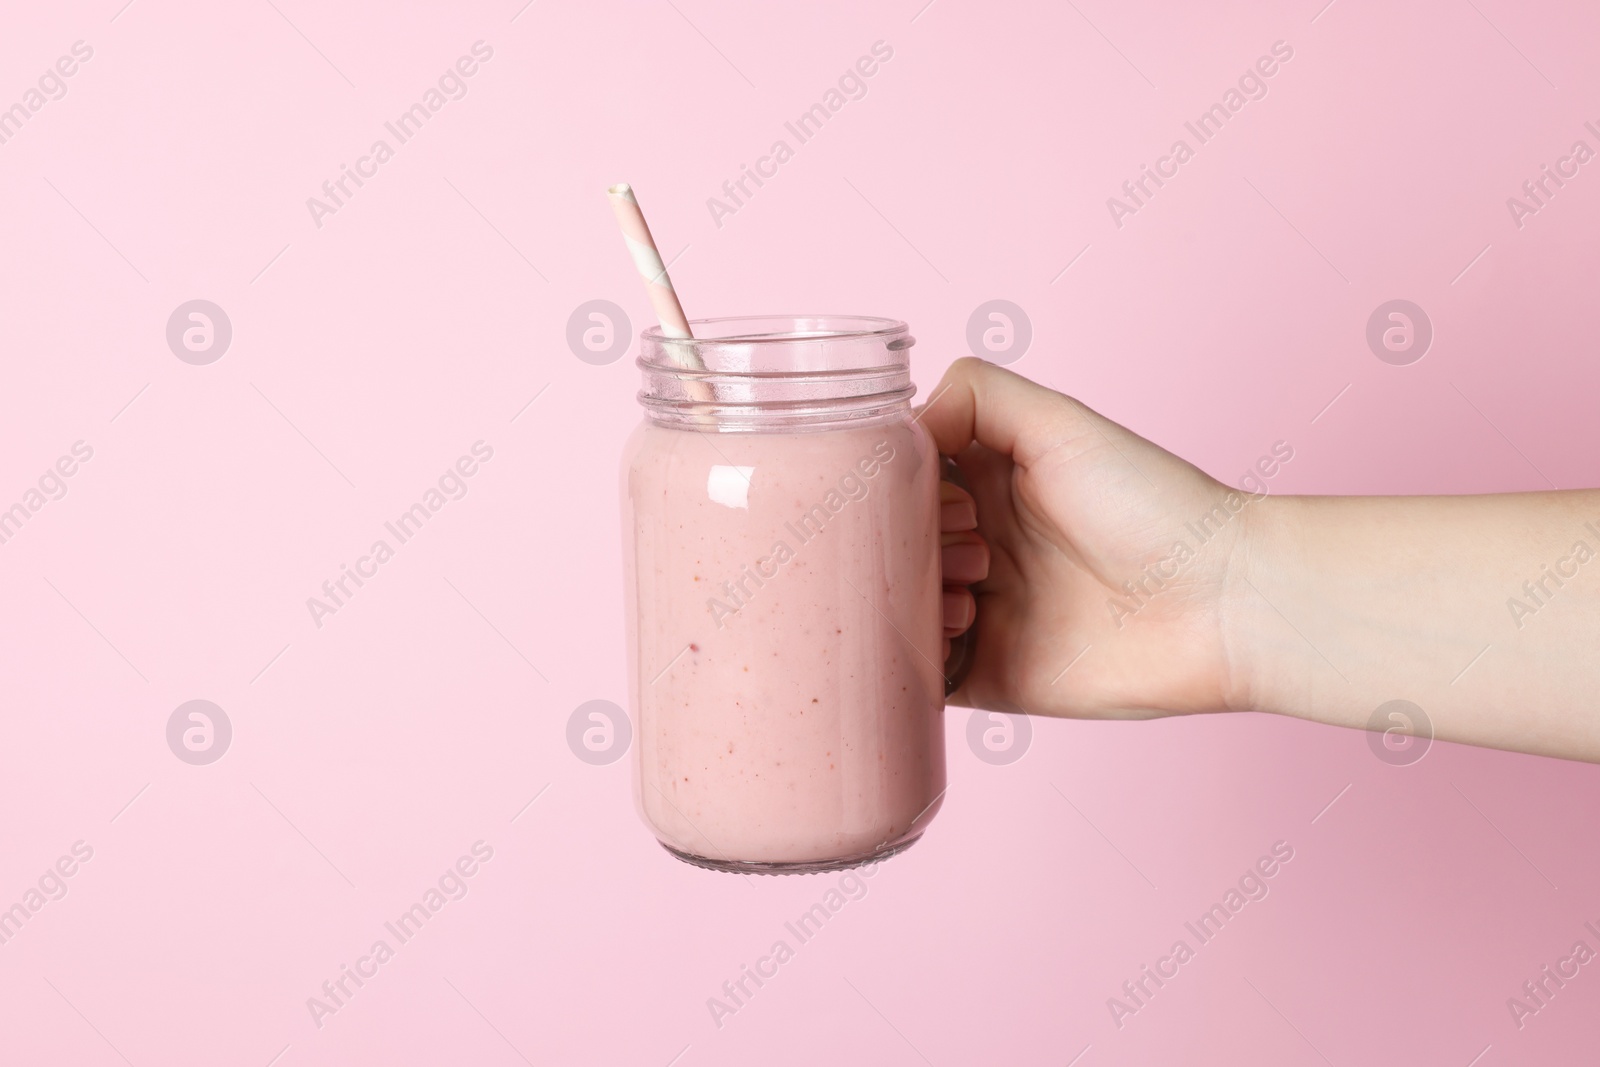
(782, 577)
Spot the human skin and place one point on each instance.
(1319, 607)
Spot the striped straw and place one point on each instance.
(636, 234)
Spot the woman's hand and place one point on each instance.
(1102, 565)
(1121, 582)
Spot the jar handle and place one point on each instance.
(964, 647)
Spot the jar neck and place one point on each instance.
(777, 373)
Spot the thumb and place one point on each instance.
(977, 401)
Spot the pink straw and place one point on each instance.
(663, 298)
(636, 234)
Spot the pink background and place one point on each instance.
(368, 354)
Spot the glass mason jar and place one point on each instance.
(782, 555)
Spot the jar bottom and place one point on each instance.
(804, 867)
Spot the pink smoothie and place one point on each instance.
(784, 598)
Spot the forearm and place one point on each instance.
(1482, 610)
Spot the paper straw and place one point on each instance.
(646, 257)
(663, 298)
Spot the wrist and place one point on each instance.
(1256, 676)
